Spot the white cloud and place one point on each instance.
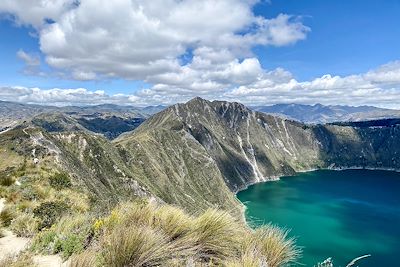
(35, 12)
(30, 60)
(380, 86)
(387, 73)
(135, 39)
(62, 97)
(264, 87)
(146, 40)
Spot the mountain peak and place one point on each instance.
(197, 99)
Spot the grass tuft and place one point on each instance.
(24, 225)
(135, 246)
(274, 245)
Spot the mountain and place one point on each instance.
(109, 120)
(75, 191)
(324, 114)
(210, 149)
(196, 154)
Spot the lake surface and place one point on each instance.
(338, 214)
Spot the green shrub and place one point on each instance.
(49, 212)
(7, 180)
(29, 193)
(24, 225)
(44, 241)
(68, 236)
(60, 181)
(69, 244)
(6, 216)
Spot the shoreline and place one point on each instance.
(278, 177)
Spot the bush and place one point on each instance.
(7, 180)
(6, 216)
(45, 241)
(69, 244)
(24, 225)
(6, 176)
(60, 181)
(49, 212)
(69, 236)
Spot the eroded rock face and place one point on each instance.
(240, 146)
(196, 154)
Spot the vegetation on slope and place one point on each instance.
(59, 180)
(147, 234)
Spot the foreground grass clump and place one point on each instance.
(69, 236)
(147, 234)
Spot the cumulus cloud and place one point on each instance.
(135, 39)
(263, 88)
(35, 12)
(63, 97)
(182, 48)
(380, 86)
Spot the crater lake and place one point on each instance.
(338, 214)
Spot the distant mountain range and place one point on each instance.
(325, 114)
(109, 120)
(112, 120)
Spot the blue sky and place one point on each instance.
(284, 52)
(347, 37)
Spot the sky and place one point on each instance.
(137, 52)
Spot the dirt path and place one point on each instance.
(10, 244)
(48, 261)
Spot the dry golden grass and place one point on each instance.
(147, 234)
(85, 259)
(274, 245)
(24, 225)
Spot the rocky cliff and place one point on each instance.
(196, 154)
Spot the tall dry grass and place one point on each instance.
(146, 234)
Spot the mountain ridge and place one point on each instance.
(197, 154)
(319, 113)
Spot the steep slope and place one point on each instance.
(188, 150)
(196, 154)
(90, 160)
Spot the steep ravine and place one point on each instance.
(230, 143)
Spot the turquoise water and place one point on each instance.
(339, 214)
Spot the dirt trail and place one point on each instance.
(10, 244)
